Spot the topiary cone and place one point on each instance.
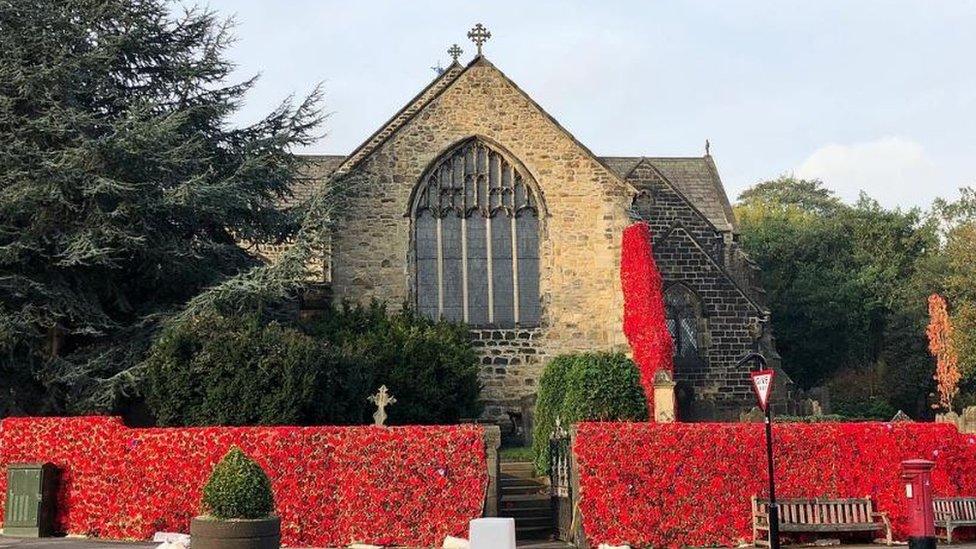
(237, 504)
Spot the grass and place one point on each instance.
(516, 453)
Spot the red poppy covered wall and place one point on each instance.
(690, 484)
(333, 485)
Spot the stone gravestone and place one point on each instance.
(382, 399)
(754, 415)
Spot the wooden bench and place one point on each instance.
(819, 515)
(951, 513)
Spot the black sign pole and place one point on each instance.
(773, 507)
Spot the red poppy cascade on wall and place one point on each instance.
(645, 323)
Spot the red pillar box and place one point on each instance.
(917, 474)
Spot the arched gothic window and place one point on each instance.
(683, 313)
(476, 239)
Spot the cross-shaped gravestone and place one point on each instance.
(479, 35)
(455, 51)
(382, 399)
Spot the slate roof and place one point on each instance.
(695, 177)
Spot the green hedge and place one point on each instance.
(249, 370)
(430, 367)
(581, 387)
(217, 370)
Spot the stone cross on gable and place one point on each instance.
(479, 35)
(382, 399)
(455, 51)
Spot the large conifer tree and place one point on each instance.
(124, 190)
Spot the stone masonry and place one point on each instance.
(587, 201)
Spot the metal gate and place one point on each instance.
(561, 482)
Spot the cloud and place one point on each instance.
(894, 170)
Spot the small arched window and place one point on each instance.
(683, 313)
(476, 239)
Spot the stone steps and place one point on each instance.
(525, 498)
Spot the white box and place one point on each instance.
(492, 533)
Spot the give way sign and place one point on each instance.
(762, 382)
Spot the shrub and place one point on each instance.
(238, 488)
(861, 393)
(249, 370)
(430, 367)
(244, 370)
(582, 387)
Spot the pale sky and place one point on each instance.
(877, 96)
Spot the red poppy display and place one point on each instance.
(690, 484)
(333, 485)
(645, 324)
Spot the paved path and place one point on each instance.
(67, 543)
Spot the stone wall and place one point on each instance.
(965, 422)
(688, 250)
(585, 213)
(511, 364)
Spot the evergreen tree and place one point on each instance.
(124, 190)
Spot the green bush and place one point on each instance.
(238, 488)
(581, 387)
(249, 370)
(861, 393)
(219, 370)
(430, 367)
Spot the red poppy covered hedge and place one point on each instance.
(333, 485)
(670, 485)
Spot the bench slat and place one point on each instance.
(830, 513)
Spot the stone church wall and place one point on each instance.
(687, 249)
(586, 211)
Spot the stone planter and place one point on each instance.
(211, 533)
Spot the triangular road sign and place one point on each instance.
(762, 382)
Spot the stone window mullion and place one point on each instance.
(491, 276)
(456, 279)
(440, 269)
(515, 269)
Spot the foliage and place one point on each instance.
(244, 370)
(248, 369)
(846, 285)
(430, 367)
(861, 393)
(581, 387)
(402, 486)
(958, 222)
(943, 348)
(238, 488)
(689, 485)
(515, 453)
(644, 315)
(826, 418)
(125, 191)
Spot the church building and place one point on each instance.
(472, 204)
